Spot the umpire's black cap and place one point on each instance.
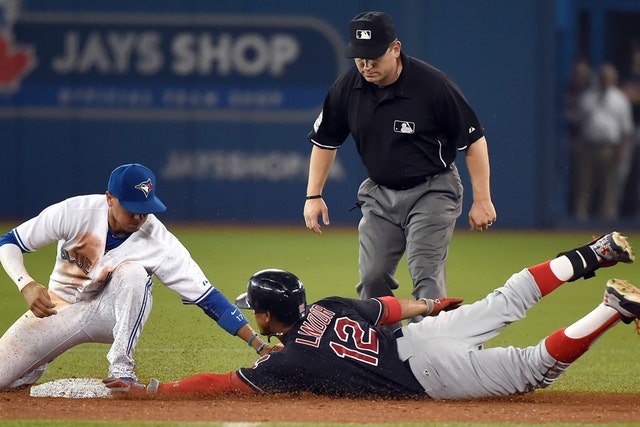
(370, 34)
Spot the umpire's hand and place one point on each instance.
(482, 215)
(312, 210)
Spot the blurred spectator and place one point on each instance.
(580, 80)
(606, 127)
(631, 88)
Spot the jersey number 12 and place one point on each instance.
(366, 342)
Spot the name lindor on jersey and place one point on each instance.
(315, 325)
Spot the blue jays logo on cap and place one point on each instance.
(134, 186)
(145, 187)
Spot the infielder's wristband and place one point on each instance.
(251, 339)
(317, 196)
(262, 346)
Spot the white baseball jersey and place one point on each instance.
(82, 267)
(108, 290)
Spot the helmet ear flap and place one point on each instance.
(242, 300)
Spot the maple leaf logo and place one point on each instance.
(14, 64)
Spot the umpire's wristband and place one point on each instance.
(317, 196)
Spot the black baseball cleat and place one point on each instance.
(623, 297)
(605, 251)
(613, 248)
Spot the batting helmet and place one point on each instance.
(277, 291)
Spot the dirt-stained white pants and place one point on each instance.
(115, 315)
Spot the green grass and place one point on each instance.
(181, 340)
(53, 423)
(66, 423)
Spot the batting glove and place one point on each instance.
(435, 306)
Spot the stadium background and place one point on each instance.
(218, 98)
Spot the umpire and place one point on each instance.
(408, 120)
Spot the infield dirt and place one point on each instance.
(537, 407)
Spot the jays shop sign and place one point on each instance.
(166, 67)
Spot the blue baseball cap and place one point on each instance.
(134, 186)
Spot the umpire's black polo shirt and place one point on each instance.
(404, 132)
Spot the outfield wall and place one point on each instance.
(218, 97)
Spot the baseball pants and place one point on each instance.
(115, 315)
(446, 352)
(420, 221)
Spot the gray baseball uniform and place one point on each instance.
(446, 352)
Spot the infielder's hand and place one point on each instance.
(38, 300)
(312, 210)
(482, 215)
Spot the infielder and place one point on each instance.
(336, 347)
(109, 247)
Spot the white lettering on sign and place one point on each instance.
(110, 53)
(114, 52)
(183, 98)
(248, 54)
(255, 99)
(94, 97)
(237, 165)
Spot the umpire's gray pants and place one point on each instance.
(419, 220)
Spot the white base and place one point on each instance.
(74, 388)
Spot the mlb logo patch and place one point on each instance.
(401, 126)
(363, 34)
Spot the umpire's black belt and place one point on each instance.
(414, 182)
(407, 185)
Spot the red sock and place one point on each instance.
(205, 384)
(546, 280)
(567, 350)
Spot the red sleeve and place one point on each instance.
(392, 310)
(205, 385)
